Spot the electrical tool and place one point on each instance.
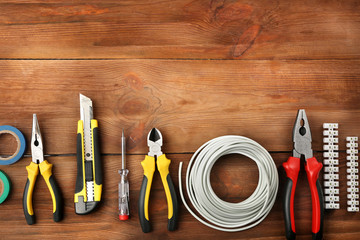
(45, 167)
(331, 162)
(123, 184)
(352, 174)
(302, 147)
(5, 186)
(227, 216)
(89, 175)
(155, 155)
(21, 145)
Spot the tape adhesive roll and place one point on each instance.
(21, 145)
(4, 186)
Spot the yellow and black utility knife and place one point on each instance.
(88, 186)
(45, 167)
(156, 156)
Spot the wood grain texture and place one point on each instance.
(180, 29)
(195, 69)
(228, 177)
(189, 101)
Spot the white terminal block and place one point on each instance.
(331, 176)
(331, 191)
(331, 170)
(355, 170)
(352, 171)
(330, 140)
(331, 162)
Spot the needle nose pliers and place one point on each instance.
(45, 167)
(302, 147)
(155, 142)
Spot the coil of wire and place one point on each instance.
(215, 212)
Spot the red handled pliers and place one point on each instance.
(302, 147)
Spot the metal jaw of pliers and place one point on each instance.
(156, 156)
(37, 151)
(155, 142)
(302, 147)
(45, 167)
(302, 136)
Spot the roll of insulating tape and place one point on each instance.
(4, 186)
(21, 145)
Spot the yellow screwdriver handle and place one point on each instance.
(33, 171)
(148, 165)
(46, 172)
(163, 164)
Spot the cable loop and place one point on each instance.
(219, 214)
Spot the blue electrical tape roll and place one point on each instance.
(20, 139)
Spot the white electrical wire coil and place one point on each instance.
(222, 215)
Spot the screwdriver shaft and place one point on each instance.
(123, 144)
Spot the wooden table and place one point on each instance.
(195, 70)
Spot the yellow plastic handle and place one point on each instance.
(80, 186)
(46, 172)
(163, 164)
(33, 171)
(148, 165)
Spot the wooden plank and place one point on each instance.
(189, 101)
(228, 177)
(180, 29)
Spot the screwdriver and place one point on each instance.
(123, 184)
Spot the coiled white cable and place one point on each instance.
(222, 215)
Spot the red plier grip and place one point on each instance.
(292, 168)
(312, 168)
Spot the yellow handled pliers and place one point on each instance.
(155, 142)
(45, 167)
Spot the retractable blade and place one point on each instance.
(86, 114)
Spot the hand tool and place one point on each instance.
(302, 147)
(5, 186)
(219, 214)
(123, 184)
(352, 174)
(21, 145)
(89, 175)
(45, 167)
(331, 162)
(154, 142)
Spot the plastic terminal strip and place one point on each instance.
(352, 177)
(331, 169)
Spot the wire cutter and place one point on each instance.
(45, 167)
(155, 141)
(302, 147)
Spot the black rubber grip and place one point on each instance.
(145, 224)
(30, 219)
(97, 158)
(79, 185)
(172, 222)
(319, 235)
(59, 213)
(89, 175)
(288, 185)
